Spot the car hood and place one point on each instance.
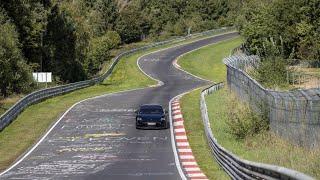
(151, 117)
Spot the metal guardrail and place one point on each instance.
(16, 109)
(236, 167)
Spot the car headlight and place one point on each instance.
(139, 118)
(163, 119)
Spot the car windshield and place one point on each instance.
(151, 110)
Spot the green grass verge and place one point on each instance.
(206, 63)
(35, 120)
(264, 147)
(5, 104)
(190, 105)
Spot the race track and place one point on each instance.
(97, 138)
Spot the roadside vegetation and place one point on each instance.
(209, 60)
(233, 123)
(284, 33)
(88, 30)
(239, 135)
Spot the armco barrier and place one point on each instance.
(40, 95)
(236, 167)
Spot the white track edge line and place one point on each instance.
(176, 64)
(160, 83)
(173, 143)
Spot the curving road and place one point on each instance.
(97, 138)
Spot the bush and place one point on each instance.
(273, 69)
(114, 39)
(272, 73)
(242, 121)
(180, 28)
(99, 51)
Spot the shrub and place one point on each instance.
(272, 73)
(243, 121)
(113, 39)
(273, 69)
(99, 51)
(180, 28)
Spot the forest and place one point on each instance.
(73, 38)
(282, 32)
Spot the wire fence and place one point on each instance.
(236, 167)
(300, 74)
(294, 115)
(302, 80)
(16, 109)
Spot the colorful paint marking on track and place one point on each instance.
(187, 160)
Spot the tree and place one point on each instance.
(63, 36)
(15, 74)
(180, 28)
(63, 57)
(30, 18)
(129, 25)
(113, 39)
(99, 51)
(104, 15)
(292, 23)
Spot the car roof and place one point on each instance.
(150, 106)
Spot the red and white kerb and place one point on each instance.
(186, 157)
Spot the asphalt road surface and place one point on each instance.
(97, 138)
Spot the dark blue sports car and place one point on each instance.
(151, 116)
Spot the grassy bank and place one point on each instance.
(35, 120)
(6, 103)
(190, 104)
(206, 63)
(263, 147)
